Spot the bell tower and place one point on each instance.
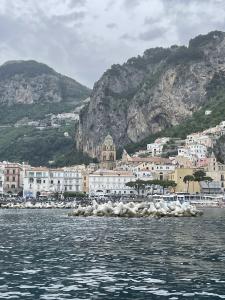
(108, 154)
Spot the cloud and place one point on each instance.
(152, 34)
(132, 3)
(73, 36)
(111, 25)
(70, 18)
(127, 37)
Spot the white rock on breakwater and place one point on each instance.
(135, 210)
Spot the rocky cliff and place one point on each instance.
(151, 92)
(30, 82)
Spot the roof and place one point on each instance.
(105, 172)
(211, 185)
(154, 159)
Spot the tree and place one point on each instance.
(208, 179)
(187, 179)
(199, 175)
(163, 183)
(137, 185)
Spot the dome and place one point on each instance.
(108, 140)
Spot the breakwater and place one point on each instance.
(132, 209)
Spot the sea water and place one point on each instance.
(44, 254)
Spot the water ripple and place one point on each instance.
(46, 255)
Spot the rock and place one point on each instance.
(149, 93)
(131, 210)
(30, 82)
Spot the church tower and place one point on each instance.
(108, 154)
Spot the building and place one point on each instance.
(200, 138)
(13, 173)
(178, 176)
(43, 181)
(110, 182)
(56, 181)
(2, 179)
(108, 154)
(73, 180)
(156, 148)
(216, 171)
(36, 182)
(193, 151)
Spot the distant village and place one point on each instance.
(111, 176)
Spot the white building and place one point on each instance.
(73, 180)
(35, 182)
(56, 181)
(110, 182)
(144, 174)
(199, 138)
(193, 151)
(44, 181)
(156, 148)
(2, 176)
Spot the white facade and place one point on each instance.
(155, 148)
(144, 175)
(2, 169)
(44, 181)
(35, 181)
(73, 180)
(199, 138)
(110, 182)
(193, 151)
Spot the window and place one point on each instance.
(7, 171)
(7, 178)
(14, 179)
(14, 171)
(39, 181)
(13, 186)
(31, 180)
(51, 181)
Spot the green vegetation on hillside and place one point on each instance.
(198, 121)
(14, 113)
(39, 147)
(26, 143)
(28, 68)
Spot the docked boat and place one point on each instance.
(199, 200)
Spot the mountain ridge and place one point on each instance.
(34, 91)
(150, 93)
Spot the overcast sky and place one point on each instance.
(82, 38)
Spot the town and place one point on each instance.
(121, 177)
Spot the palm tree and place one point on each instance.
(187, 179)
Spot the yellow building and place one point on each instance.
(216, 171)
(178, 176)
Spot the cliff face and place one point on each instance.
(150, 93)
(30, 82)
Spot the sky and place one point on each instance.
(83, 38)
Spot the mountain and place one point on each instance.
(30, 82)
(150, 93)
(32, 92)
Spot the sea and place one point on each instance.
(44, 254)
